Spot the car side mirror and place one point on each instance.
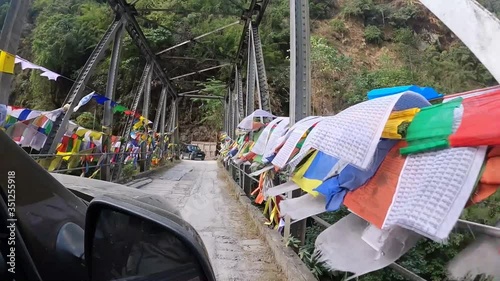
(129, 240)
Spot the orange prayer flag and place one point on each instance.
(372, 200)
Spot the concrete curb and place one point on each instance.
(290, 264)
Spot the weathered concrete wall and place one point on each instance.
(208, 147)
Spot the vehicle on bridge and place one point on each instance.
(69, 228)
(192, 152)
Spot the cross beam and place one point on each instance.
(207, 97)
(199, 71)
(128, 12)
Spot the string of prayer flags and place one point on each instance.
(7, 62)
(84, 101)
(25, 64)
(119, 108)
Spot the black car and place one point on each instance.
(49, 232)
(191, 152)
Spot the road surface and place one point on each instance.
(205, 201)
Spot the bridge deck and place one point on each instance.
(196, 189)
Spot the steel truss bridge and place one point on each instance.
(475, 26)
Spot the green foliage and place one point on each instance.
(358, 8)
(320, 9)
(405, 36)
(400, 17)
(4, 8)
(88, 121)
(129, 171)
(338, 26)
(492, 6)
(373, 34)
(212, 108)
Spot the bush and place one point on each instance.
(338, 26)
(129, 171)
(88, 121)
(405, 36)
(400, 17)
(373, 34)
(358, 8)
(320, 9)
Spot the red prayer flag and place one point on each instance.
(479, 124)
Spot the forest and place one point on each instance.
(356, 46)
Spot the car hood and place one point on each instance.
(87, 189)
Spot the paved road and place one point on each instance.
(203, 197)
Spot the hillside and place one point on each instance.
(367, 44)
(356, 46)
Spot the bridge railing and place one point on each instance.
(90, 164)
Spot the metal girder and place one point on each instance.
(76, 91)
(300, 86)
(196, 59)
(176, 11)
(250, 95)
(239, 94)
(9, 40)
(197, 37)
(107, 121)
(189, 92)
(263, 6)
(261, 71)
(202, 97)
(159, 109)
(199, 71)
(253, 9)
(128, 12)
(162, 123)
(147, 94)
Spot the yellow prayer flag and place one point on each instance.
(7, 62)
(395, 119)
(308, 185)
(55, 164)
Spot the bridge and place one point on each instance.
(244, 94)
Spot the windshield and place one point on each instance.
(194, 148)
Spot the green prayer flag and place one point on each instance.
(431, 128)
(119, 108)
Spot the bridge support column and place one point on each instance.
(250, 95)
(9, 41)
(300, 86)
(162, 124)
(107, 121)
(145, 112)
(177, 140)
